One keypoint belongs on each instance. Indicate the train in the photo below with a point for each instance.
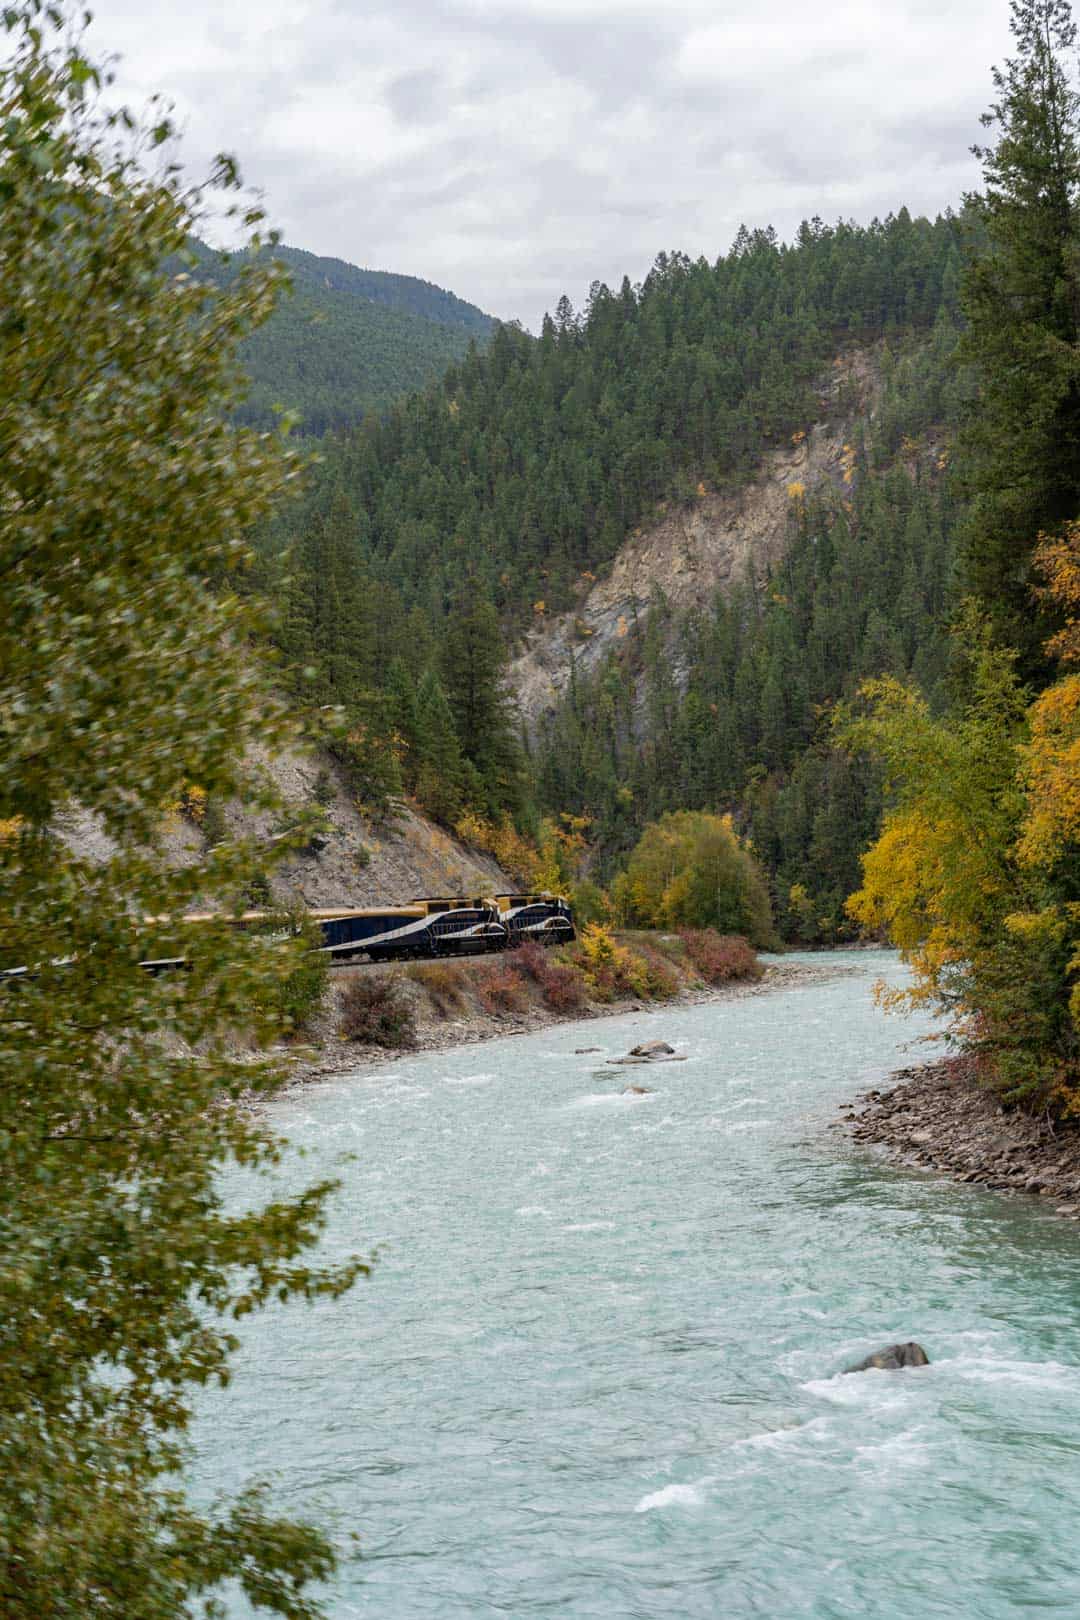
(445, 925)
(426, 927)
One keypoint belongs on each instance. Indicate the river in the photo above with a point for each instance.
(595, 1371)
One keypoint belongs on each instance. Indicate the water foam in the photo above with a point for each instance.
(674, 1496)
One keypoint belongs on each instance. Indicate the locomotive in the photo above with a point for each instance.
(545, 918)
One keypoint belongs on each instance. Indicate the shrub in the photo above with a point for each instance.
(214, 827)
(442, 982)
(721, 958)
(302, 991)
(609, 969)
(325, 789)
(564, 988)
(500, 987)
(374, 1011)
(561, 985)
(661, 979)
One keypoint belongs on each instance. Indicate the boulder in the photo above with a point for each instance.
(892, 1358)
(583, 1051)
(637, 1091)
(660, 1057)
(652, 1049)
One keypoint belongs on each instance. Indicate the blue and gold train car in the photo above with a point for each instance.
(429, 926)
(545, 918)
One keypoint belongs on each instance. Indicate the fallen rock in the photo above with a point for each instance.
(893, 1358)
(651, 1052)
(652, 1049)
(661, 1057)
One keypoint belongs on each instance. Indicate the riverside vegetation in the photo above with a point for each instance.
(601, 971)
(125, 676)
(906, 677)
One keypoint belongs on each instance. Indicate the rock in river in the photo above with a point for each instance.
(651, 1052)
(637, 1091)
(892, 1358)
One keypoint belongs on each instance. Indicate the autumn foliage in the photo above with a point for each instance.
(720, 958)
(976, 874)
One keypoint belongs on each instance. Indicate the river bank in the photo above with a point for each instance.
(937, 1118)
(440, 1026)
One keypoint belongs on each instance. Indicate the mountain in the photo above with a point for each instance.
(700, 512)
(348, 341)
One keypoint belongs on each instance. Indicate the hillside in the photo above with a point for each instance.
(699, 513)
(722, 539)
(356, 860)
(347, 341)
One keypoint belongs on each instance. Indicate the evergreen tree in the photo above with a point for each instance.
(440, 775)
(1022, 302)
(473, 670)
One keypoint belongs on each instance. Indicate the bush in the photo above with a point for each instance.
(374, 1011)
(561, 986)
(303, 990)
(500, 987)
(661, 979)
(325, 789)
(564, 990)
(721, 958)
(442, 982)
(609, 969)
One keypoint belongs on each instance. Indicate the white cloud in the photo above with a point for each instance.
(513, 149)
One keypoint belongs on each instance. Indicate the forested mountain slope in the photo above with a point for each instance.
(728, 702)
(717, 541)
(774, 425)
(529, 465)
(347, 341)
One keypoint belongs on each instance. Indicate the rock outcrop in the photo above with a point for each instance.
(727, 536)
(892, 1359)
(354, 861)
(650, 1052)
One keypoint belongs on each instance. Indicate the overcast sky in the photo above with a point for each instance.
(515, 149)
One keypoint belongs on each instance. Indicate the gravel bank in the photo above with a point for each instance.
(937, 1118)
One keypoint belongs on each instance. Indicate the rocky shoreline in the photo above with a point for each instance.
(332, 1057)
(937, 1118)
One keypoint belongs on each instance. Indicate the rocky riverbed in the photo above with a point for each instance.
(937, 1118)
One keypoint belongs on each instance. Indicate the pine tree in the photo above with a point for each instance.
(1021, 297)
(474, 661)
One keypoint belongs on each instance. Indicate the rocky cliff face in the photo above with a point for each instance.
(691, 552)
(355, 861)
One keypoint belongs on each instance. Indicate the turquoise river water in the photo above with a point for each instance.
(595, 1370)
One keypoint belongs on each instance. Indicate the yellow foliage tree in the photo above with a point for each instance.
(974, 875)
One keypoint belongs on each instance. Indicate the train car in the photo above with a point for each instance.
(428, 926)
(546, 918)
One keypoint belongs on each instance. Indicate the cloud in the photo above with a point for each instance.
(514, 149)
